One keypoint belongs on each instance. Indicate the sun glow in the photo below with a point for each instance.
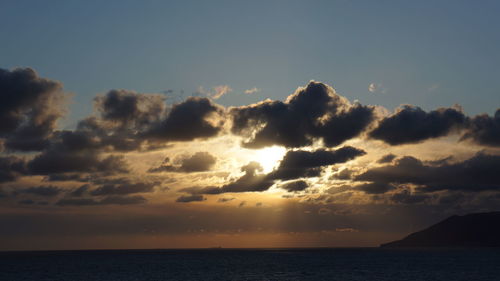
(269, 157)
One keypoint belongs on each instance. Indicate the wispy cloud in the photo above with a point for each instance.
(377, 88)
(252, 91)
(215, 93)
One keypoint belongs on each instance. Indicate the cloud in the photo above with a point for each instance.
(295, 186)
(11, 168)
(224, 200)
(123, 188)
(29, 109)
(252, 91)
(407, 197)
(484, 129)
(134, 121)
(478, 173)
(26, 202)
(59, 161)
(195, 118)
(376, 88)
(110, 200)
(191, 198)
(130, 109)
(312, 112)
(68, 177)
(221, 90)
(411, 124)
(375, 187)
(251, 181)
(346, 229)
(216, 92)
(344, 174)
(324, 211)
(80, 191)
(386, 158)
(301, 163)
(295, 164)
(372, 87)
(46, 191)
(198, 162)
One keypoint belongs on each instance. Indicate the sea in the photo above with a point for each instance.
(343, 264)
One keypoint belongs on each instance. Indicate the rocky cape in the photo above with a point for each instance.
(472, 230)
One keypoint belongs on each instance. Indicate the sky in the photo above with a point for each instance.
(165, 124)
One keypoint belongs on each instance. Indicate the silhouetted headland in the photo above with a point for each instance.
(473, 230)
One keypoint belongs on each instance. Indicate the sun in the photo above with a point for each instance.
(269, 157)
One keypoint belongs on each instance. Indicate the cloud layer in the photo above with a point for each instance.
(90, 165)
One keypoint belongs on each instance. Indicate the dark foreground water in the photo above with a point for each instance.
(286, 264)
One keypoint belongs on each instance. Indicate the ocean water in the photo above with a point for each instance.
(260, 265)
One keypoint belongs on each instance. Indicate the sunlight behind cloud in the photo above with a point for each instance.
(269, 157)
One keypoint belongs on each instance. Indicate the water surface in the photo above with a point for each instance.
(259, 265)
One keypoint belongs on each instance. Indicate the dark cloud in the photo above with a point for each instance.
(224, 200)
(319, 158)
(251, 181)
(344, 174)
(295, 186)
(46, 191)
(68, 177)
(77, 202)
(301, 163)
(295, 164)
(26, 202)
(134, 121)
(312, 112)
(11, 167)
(190, 198)
(439, 162)
(195, 118)
(124, 116)
(484, 129)
(110, 200)
(479, 173)
(411, 124)
(80, 191)
(98, 134)
(407, 197)
(386, 158)
(375, 187)
(123, 188)
(123, 200)
(198, 162)
(63, 161)
(131, 109)
(29, 109)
